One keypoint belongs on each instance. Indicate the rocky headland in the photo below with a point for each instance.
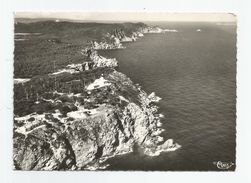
(79, 116)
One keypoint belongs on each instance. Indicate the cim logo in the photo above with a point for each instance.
(223, 165)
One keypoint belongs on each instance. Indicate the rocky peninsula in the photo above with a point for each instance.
(77, 117)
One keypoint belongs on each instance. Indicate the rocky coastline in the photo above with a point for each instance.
(106, 117)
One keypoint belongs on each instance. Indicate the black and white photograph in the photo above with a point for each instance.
(124, 91)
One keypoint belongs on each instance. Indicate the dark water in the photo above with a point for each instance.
(195, 75)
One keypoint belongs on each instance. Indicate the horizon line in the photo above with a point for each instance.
(129, 16)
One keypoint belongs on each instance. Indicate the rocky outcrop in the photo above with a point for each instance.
(107, 46)
(115, 40)
(94, 61)
(118, 36)
(156, 30)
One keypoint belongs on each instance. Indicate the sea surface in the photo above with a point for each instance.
(194, 72)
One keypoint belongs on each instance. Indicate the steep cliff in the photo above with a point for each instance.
(83, 138)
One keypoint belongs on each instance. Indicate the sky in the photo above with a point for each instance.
(131, 16)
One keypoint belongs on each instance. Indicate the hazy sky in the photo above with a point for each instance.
(131, 16)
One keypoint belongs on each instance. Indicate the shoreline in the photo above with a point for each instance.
(136, 121)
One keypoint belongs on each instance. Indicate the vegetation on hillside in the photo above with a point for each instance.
(57, 44)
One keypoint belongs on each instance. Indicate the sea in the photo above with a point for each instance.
(194, 72)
